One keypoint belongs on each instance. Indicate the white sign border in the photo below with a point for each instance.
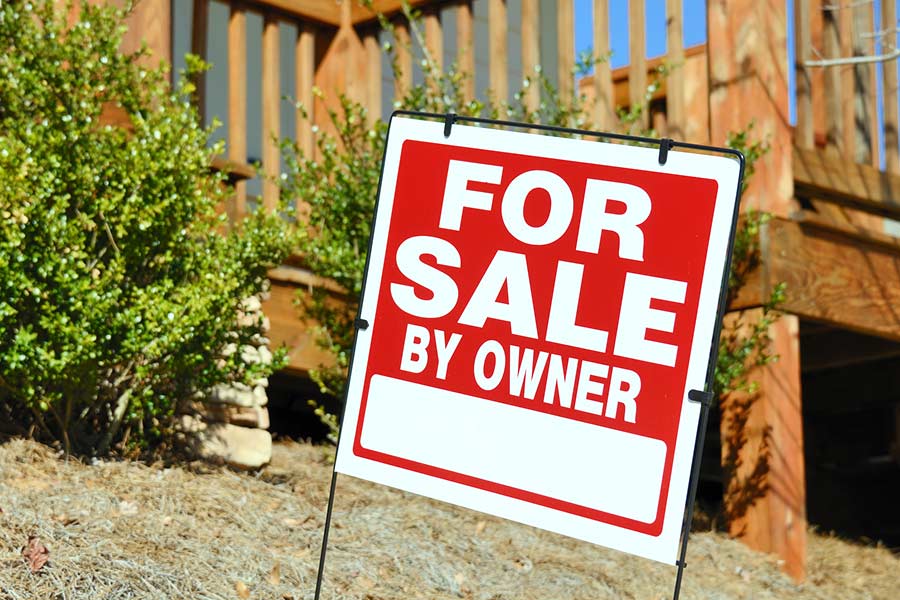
(724, 170)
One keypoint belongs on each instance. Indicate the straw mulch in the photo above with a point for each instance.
(128, 530)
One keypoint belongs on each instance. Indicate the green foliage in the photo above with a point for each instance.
(119, 285)
(340, 186)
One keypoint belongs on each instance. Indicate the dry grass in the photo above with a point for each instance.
(126, 530)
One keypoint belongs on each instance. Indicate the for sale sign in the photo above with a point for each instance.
(539, 309)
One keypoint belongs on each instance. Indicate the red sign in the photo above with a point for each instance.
(536, 316)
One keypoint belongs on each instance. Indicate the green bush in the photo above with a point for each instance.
(120, 282)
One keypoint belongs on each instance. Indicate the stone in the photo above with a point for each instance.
(238, 394)
(244, 416)
(239, 447)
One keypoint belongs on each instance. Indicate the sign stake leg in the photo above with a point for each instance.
(324, 550)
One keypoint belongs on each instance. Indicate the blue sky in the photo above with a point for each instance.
(694, 27)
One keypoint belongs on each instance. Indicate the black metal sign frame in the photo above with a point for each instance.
(703, 397)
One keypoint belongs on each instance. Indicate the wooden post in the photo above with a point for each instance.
(465, 48)
(237, 101)
(891, 151)
(675, 101)
(805, 136)
(605, 100)
(271, 112)
(498, 25)
(865, 134)
(748, 82)
(637, 66)
(565, 53)
(150, 22)
(531, 52)
(305, 65)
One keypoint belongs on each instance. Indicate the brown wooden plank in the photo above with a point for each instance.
(465, 47)
(238, 170)
(434, 38)
(675, 100)
(637, 65)
(327, 12)
(531, 52)
(857, 186)
(834, 277)
(237, 101)
(498, 26)
(199, 37)
(891, 102)
(373, 76)
(604, 98)
(762, 453)
(565, 48)
(804, 133)
(305, 65)
(403, 79)
(845, 24)
(271, 112)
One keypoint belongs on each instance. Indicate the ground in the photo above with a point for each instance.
(117, 529)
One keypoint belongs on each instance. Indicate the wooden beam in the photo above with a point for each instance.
(150, 22)
(836, 278)
(287, 329)
(465, 47)
(305, 65)
(237, 101)
(565, 48)
(531, 52)
(498, 26)
(891, 102)
(857, 186)
(199, 37)
(604, 99)
(762, 453)
(637, 66)
(327, 12)
(804, 134)
(675, 100)
(271, 112)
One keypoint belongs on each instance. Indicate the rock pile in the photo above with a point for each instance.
(229, 423)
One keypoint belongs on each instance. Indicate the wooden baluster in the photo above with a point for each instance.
(605, 106)
(565, 53)
(531, 52)
(891, 152)
(305, 65)
(373, 75)
(675, 100)
(199, 36)
(637, 68)
(498, 26)
(403, 48)
(271, 99)
(804, 135)
(237, 101)
(834, 122)
(465, 48)
(434, 37)
(865, 135)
